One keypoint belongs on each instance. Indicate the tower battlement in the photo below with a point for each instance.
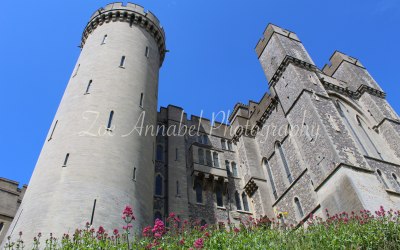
(336, 59)
(134, 15)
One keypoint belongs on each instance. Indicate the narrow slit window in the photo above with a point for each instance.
(122, 63)
(238, 201)
(223, 144)
(209, 158)
(110, 120)
(199, 192)
(134, 174)
(176, 154)
(147, 53)
(77, 69)
(299, 208)
(230, 146)
(66, 160)
(228, 169)
(104, 39)
(52, 131)
(1, 226)
(271, 180)
(396, 180)
(382, 179)
(159, 181)
(245, 202)
(284, 161)
(141, 100)
(219, 196)
(177, 187)
(88, 87)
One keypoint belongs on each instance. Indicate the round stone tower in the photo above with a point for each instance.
(97, 157)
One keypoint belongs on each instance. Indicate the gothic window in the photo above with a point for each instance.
(199, 192)
(343, 113)
(271, 179)
(104, 40)
(201, 156)
(110, 118)
(216, 159)
(230, 145)
(66, 160)
(160, 153)
(223, 144)
(147, 53)
(299, 208)
(234, 170)
(396, 180)
(219, 196)
(281, 153)
(141, 100)
(157, 215)
(238, 201)
(381, 178)
(245, 202)
(52, 131)
(227, 167)
(159, 184)
(122, 62)
(363, 127)
(209, 158)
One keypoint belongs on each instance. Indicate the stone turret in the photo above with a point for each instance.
(93, 161)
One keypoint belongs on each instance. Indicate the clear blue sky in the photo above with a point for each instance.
(211, 66)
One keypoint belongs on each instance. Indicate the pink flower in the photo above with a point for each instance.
(182, 242)
(157, 235)
(159, 227)
(237, 230)
(101, 230)
(199, 243)
(115, 232)
(207, 234)
(146, 231)
(127, 214)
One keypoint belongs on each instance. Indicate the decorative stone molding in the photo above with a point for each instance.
(132, 14)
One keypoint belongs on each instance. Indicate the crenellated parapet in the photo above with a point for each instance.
(132, 14)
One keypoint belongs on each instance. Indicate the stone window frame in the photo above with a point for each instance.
(198, 187)
(219, 196)
(396, 180)
(299, 207)
(235, 170)
(283, 160)
(382, 178)
(223, 144)
(245, 202)
(270, 177)
(238, 201)
(215, 159)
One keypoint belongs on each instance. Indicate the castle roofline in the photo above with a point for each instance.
(336, 60)
(133, 14)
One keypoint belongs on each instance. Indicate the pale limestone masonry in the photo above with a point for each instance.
(320, 139)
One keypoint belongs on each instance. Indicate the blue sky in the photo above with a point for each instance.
(211, 66)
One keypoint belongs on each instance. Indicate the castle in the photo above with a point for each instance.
(320, 139)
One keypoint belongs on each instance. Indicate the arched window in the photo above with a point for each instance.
(271, 179)
(157, 215)
(234, 170)
(199, 192)
(160, 153)
(381, 178)
(209, 158)
(159, 185)
(88, 87)
(223, 144)
(110, 118)
(281, 153)
(299, 208)
(238, 201)
(227, 168)
(245, 202)
(201, 156)
(216, 159)
(219, 196)
(343, 113)
(364, 128)
(395, 179)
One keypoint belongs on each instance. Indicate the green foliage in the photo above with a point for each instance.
(342, 231)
